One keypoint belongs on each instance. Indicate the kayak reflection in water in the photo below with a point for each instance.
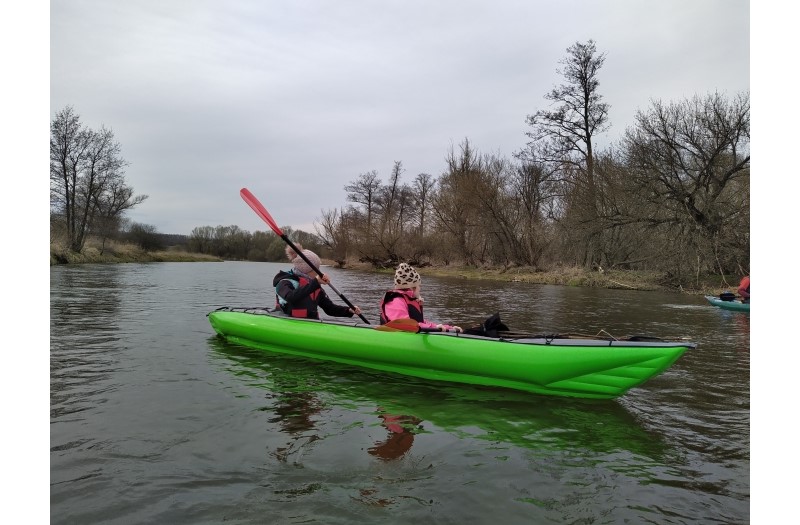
(399, 439)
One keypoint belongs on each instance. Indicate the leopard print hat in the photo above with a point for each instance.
(406, 276)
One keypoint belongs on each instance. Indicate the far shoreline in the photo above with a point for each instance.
(562, 276)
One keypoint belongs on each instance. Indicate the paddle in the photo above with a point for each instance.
(405, 325)
(262, 212)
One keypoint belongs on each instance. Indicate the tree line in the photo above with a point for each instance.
(671, 196)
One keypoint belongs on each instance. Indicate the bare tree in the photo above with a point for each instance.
(68, 144)
(691, 162)
(388, 197)
(364, 191)
(422, 188)
(201, 239)
(87, 184)
(453, 204)
(117, 197)
(534, 193)
(145, 236)
(332, 231)
(564, 136)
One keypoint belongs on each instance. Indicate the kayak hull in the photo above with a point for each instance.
(736, 306)
(600, 369)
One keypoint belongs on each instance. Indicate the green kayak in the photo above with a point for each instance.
(560, 365)
(737, 306)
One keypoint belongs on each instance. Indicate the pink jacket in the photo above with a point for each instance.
(397, 309)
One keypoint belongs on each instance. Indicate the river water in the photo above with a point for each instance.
(154, 419)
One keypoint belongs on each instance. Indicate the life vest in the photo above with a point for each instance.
(280, 302)
(413, 305)
(308, 305)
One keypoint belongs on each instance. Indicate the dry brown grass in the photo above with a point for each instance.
(566, 276)
(571, 276)
(116, 252)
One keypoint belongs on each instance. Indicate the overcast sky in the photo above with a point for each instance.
(293, 100)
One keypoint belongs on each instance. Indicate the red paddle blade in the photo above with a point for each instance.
(259, 208)
(404, 325)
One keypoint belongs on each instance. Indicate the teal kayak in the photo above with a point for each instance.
(559, 365)
(737, 306)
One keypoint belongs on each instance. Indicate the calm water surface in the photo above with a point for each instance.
(156, 420)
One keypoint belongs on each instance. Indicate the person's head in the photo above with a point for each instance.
(301, 266)
(406, 278)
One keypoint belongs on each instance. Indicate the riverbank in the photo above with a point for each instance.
(123, 253)
(575, 276)
(564, 276)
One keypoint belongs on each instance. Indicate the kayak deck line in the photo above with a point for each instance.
(565, 339)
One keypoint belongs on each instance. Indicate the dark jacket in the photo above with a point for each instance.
(302, 295)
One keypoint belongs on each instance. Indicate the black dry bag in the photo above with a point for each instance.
(490, 327)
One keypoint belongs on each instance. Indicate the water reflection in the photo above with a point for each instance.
(295, 412)
(84, 296)
(401, 430)
(490, 415)
(742, 324)
(84, 335)
(156, 420)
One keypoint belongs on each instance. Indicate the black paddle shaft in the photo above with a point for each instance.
(313, 267)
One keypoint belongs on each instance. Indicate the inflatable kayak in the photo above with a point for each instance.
(735, 305)
(561, 365)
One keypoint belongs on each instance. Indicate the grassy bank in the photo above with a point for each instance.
(114, 252)
(575, 276)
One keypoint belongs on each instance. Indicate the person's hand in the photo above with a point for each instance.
(323, 279)
(355, 310)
